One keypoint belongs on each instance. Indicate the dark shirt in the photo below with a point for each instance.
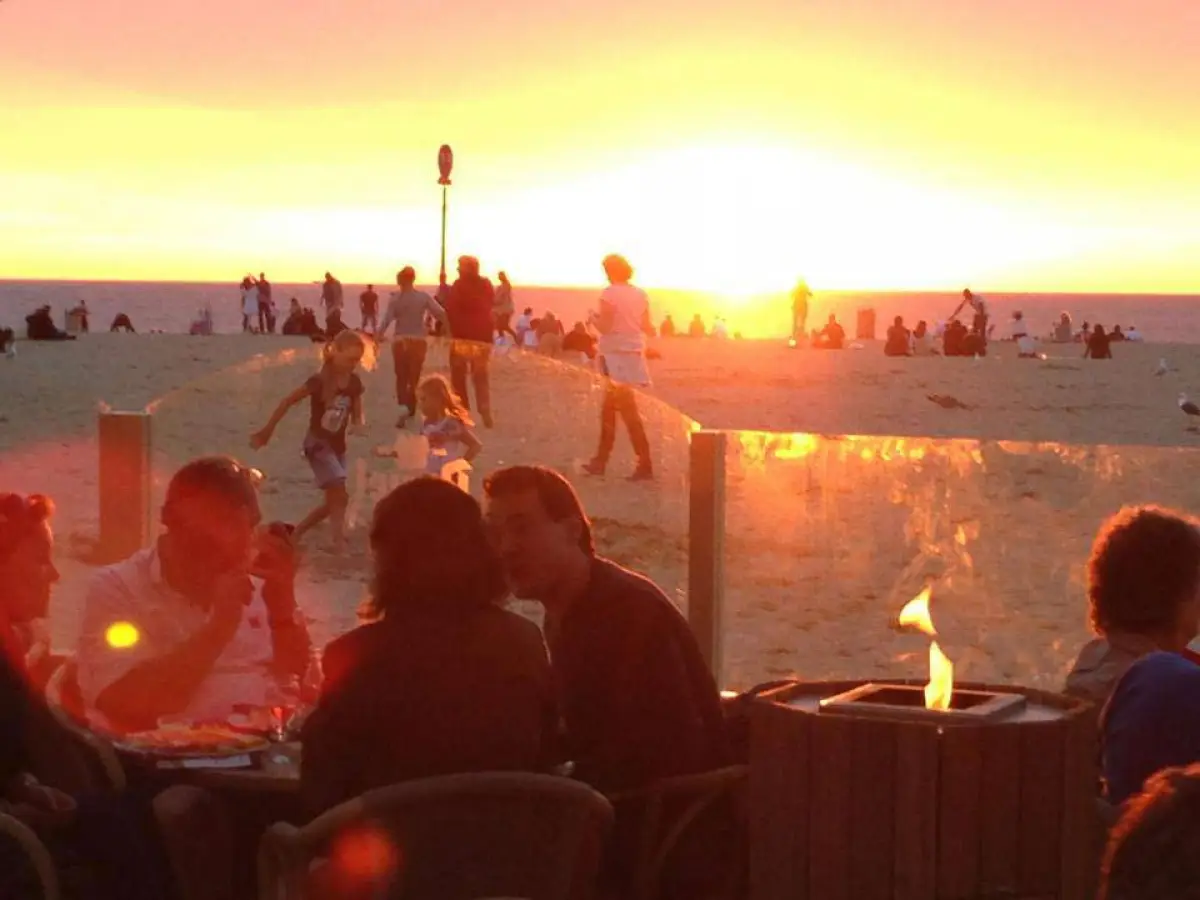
(469, 309)
(415, 696)
(897, 341)
(833, 336)
(580, 342)
(1152, 722)
(328, 421)
(637, 699)
(15, 699)
(264, 292)
(1097, 346)
(369, 301)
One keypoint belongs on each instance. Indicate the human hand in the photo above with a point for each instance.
(260, 439)
(275, 556)
(229, 596)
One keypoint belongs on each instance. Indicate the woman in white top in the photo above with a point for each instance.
(623, 321)
(249, 302)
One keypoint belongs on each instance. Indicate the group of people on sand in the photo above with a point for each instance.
(439, 678)
(334, 394)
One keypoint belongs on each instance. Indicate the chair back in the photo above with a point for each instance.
(89, 762)
(457, 837)
(29, 846)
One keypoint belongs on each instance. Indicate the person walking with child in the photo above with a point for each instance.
(447, 425)
(335, 404)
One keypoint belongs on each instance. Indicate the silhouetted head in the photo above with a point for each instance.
(1099, 329)
(539, 527)
(967, 295)
(468, 267)
(406, 276)
(432, 553)
(503, 277)
(898, 321)
(617, 269)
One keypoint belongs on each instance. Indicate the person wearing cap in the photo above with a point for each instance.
(200, 623)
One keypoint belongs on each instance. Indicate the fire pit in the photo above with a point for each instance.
(892, 789)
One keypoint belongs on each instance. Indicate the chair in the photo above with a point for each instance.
(668, 809)
(457, 837)
(35, 851)
(95, 763)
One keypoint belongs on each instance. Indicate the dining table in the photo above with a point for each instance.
(276, 770)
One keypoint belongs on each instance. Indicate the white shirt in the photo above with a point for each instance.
(1019, 328)
(1133, 335)
(250, 301)
(134, 591)
(630, 307)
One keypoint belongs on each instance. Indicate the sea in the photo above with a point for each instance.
(169, 306)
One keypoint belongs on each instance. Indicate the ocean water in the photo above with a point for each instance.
(171, 306)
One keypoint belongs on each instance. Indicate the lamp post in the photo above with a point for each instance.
(445, 164)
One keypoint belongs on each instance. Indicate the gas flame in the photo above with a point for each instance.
(941, 671)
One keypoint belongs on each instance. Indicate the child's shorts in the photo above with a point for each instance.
(328, 466)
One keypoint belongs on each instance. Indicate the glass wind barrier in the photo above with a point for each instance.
(829, 537)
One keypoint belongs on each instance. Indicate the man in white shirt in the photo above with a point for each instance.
(979, 305)
(623, 321)
(203, 621)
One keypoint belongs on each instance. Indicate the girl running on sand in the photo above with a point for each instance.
(335, 402)
(447, 425)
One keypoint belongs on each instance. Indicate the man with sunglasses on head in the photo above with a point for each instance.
(202, 622)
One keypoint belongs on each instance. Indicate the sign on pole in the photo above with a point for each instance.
(445, 163)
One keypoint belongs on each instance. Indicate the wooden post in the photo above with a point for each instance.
(124, 483)
(706, 544)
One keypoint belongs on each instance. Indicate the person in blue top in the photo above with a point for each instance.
(1152, 722)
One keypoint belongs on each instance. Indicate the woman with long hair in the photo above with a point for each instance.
(440, 678)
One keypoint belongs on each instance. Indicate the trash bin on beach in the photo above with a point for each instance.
(74, 321)
(865, 330)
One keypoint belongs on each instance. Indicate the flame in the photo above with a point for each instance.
(940, 688)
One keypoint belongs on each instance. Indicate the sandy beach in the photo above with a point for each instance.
(994, 504)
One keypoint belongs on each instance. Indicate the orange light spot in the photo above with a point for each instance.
(366, 854)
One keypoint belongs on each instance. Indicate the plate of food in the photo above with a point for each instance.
(181, 741)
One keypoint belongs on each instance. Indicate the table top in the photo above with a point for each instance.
(278, 772)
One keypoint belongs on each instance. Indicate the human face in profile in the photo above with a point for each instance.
(534, 548)
(29, 575)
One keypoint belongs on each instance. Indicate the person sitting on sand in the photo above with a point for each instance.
(831, 337)
(39, 326)
(1062, 331)
(955, 339)
(198, 623)
(581, 341)
(696, 327)
(899, 341)
(1143, 584)
(1098, 344)
(1020, 334)
(203, 323)
(638, 702)
(524, 325)
(1154, 850)
(1116, 334)
(550, 335)
(1133, 334)
(923, 341)
(1084, 333)
(667, 329)
(122, 322)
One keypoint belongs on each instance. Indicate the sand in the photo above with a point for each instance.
(994, 505)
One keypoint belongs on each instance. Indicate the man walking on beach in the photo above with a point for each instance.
(469, 309)
(407, 308)
(331, 297)
(266, 312)
(800, 298)
(368, 304)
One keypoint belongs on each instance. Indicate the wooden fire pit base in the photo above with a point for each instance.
(850, 807)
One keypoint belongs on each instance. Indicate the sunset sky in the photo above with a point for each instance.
(1007, 144)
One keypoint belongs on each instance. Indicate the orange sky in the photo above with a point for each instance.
(1009, 144)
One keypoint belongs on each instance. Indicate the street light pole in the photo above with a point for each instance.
(445, 165)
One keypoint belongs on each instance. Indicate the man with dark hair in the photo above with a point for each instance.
(1143, 592)
(204, 620)
(368, 304)
(469, 308)
(637, 700)
(1154, 850)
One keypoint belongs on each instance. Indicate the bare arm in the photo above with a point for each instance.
(263, 437)
(438, 312)
(473, 444)
(164, 684)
